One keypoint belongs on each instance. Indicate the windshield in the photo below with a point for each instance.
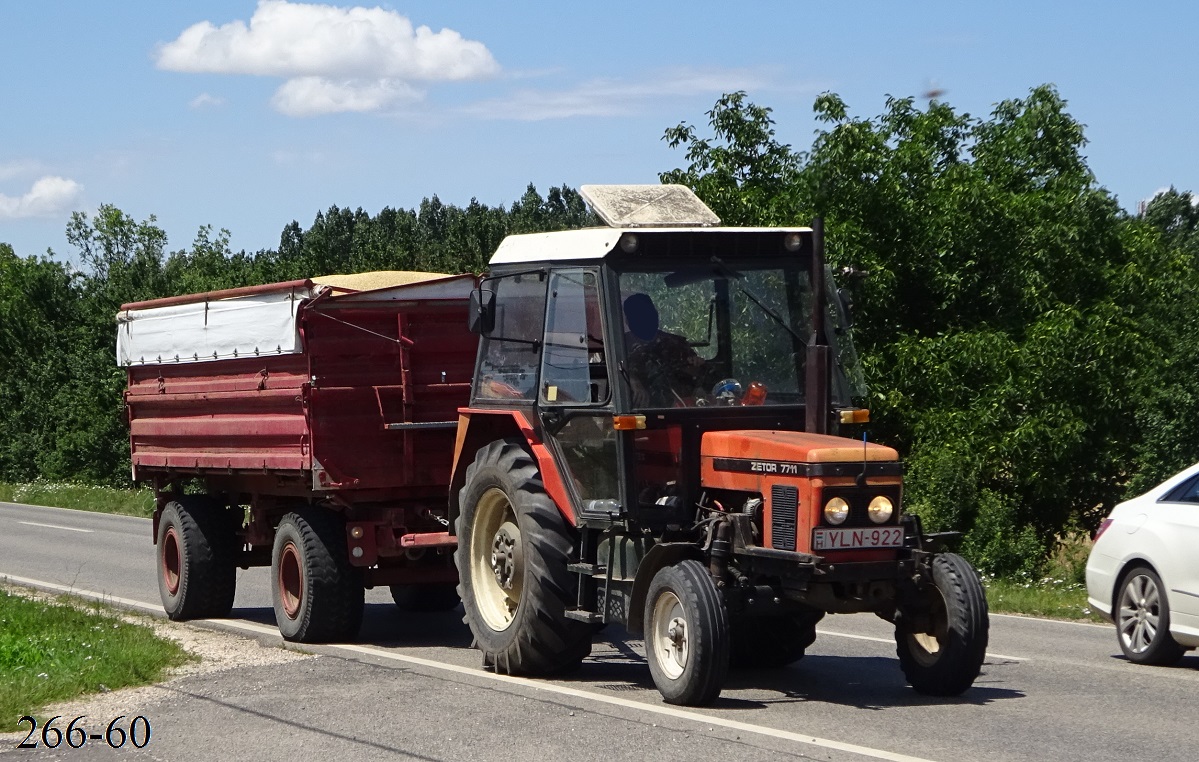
(716, 334)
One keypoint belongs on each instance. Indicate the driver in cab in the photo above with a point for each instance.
(663, 369)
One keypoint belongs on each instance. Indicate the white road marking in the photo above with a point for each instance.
(128, 603)
(1055, 621)
(546, 687)
(55, 526)
(891, 641)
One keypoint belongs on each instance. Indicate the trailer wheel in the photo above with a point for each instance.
(686, 634)
(197, 557)
(773, 641)
(942, 653)
(512, 556)
(318, 595)
(425, 598)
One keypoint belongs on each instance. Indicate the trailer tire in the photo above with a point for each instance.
(771, 641)
(318, 596)
(686, 634)
(197, 558)
(943, 657)
(425, 598)
(513, 550)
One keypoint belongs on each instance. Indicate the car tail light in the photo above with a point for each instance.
(1102, 527)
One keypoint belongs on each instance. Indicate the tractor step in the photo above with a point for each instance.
(584, 616)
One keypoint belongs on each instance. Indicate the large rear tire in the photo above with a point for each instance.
(197, 558)
(774, 641)
(513, 550)
(318, 596)
(686, 634)
(942, 652)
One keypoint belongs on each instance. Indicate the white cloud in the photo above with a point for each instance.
(310, 96)
(49, 196)
(614, 97)
(335, 59)
(205, 100)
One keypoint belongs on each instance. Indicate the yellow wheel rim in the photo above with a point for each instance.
(497, 568)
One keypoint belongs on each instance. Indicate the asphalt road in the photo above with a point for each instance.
(413, 688)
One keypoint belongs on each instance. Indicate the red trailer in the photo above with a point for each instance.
(329, 408)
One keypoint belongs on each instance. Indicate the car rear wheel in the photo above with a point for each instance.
(1143, 619)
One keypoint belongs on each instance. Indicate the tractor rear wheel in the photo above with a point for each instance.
(514, 547)
(941, 650)
(197, 558)
(686, 634)
(318, 596)
(773, 641)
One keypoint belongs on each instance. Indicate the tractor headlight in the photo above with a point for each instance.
(880, 509)
(836, 511)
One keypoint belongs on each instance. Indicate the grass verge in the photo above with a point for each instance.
(53, 650)
(128, 502)
(1052, 598)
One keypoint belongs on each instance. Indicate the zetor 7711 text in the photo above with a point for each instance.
(637, 424)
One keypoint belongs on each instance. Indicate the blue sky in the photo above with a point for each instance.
(247, 115)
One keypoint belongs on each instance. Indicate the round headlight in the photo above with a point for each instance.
(880, 509)
(836, 511)
(793, 242)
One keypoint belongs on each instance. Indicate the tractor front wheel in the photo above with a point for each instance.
(686, 634)
(941, 647)
(514, 547)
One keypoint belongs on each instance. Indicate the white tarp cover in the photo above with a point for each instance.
(246, 326)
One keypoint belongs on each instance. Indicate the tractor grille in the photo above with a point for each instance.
(784, 510)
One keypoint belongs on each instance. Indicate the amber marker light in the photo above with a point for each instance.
(628, 422)
(855, 415)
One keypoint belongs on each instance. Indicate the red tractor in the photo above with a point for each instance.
(652, 440)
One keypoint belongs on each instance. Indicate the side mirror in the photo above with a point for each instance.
(482, 311)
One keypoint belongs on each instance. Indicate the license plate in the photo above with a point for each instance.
(824, 538)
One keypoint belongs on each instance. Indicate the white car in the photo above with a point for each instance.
(1143, 571)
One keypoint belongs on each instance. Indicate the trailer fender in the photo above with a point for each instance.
(659, 556)
(477, 427)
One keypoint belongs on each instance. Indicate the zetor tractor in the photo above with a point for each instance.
(653, 440)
